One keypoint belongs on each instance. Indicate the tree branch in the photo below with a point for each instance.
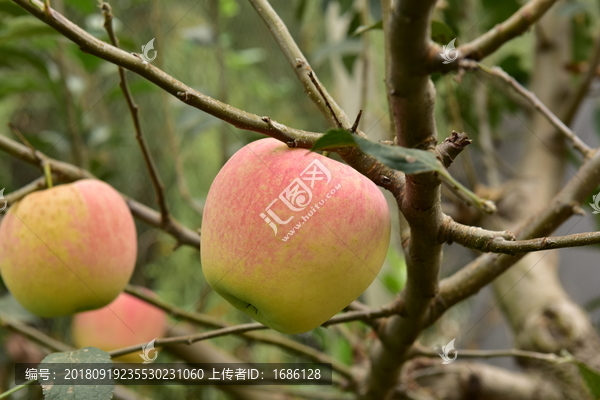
(579, 145)
(367, 165)
(236, 117)
(420, 351)
(451, 147)
(469, 380)
(213, 322)
(412, 97)
(301, 67)
(134, 109)
(38, 184)
(69, 173)
(483, 270)
(491, 41)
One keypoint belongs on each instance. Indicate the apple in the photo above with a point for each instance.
(125, 322)
(67, 249)
(291, 237)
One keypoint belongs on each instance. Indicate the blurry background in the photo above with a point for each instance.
(69, 106)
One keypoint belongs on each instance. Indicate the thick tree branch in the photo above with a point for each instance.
(134, 110)
(412, 97)
(69, 173)
(489, 42)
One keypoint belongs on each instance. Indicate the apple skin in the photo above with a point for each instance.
(125, 322)
(67, 249)
(292, 285)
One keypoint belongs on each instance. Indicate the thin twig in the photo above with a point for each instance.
(134, 109)
(485, 135)
(584, 149)
(213, 322)
(419, 351)
(584, 86)
(489, 42)
(311, 75)
(41, 160)
(34, 186)
(356, 122)
(33, 334)
(367, 165)
(487, 267)
(68, 173)
(299, 63)
(17, 388)
(24, 140)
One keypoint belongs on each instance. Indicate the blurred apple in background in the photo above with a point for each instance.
(67, 249)
(291, 237)
(125, 322)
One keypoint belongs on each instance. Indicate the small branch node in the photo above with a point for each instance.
(184, 96)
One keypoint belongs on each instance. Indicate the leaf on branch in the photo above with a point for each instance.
(409, 161)
(75, 392)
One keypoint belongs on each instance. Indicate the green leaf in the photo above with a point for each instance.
(78, 392)
(409, 161)
(591, 377)
(362, 29)
(441, 33)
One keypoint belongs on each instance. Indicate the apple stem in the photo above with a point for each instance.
(48, 174)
